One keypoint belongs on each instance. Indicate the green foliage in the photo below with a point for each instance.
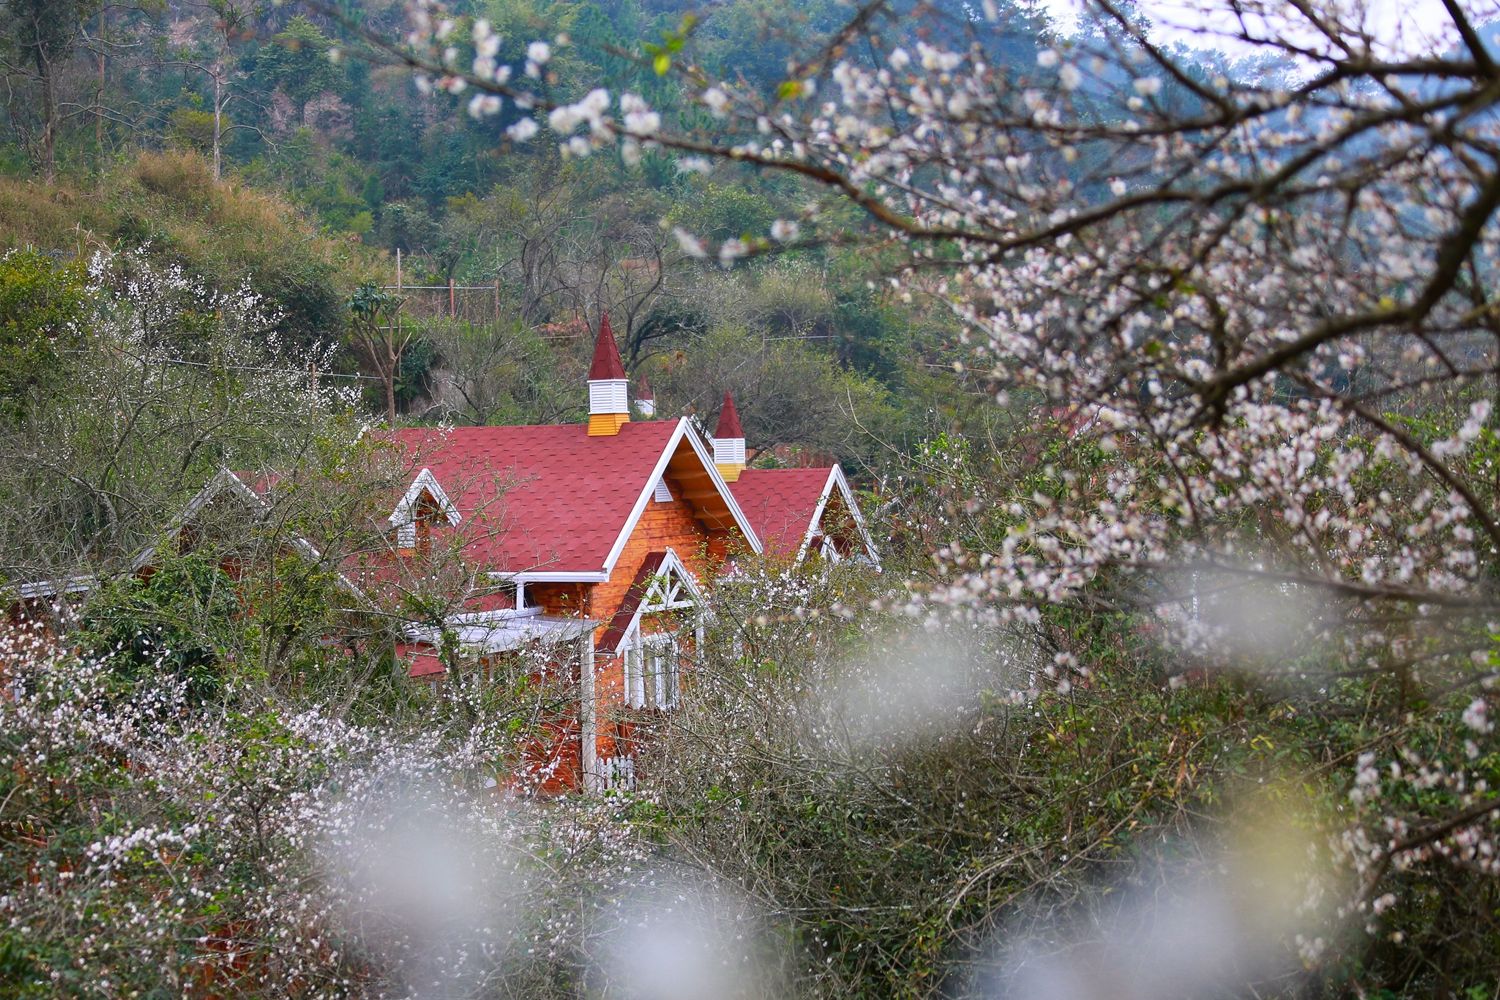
(232, 236)
(723, 211)
(297, 62)
(192, 128)
(241, 237)
(43, 308)
(175, 619)
(47, 30)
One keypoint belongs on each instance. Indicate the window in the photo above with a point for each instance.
(651, 672)
(661, 673)
(652, 660)
(829, 549)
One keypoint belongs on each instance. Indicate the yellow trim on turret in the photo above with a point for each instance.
(607, 424)
(730, 472)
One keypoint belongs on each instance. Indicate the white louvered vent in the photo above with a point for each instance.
(663, 492)
(608, 396)
(729, 451)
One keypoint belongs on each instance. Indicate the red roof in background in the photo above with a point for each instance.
(779, 504)
(260, 483)
(729, 420)
(606, 355)
(643, 388)
(541, 498)
(382, 574)
(424, 660)
(387, 578)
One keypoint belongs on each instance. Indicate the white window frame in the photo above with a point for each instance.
(648, 686)
(670, 590)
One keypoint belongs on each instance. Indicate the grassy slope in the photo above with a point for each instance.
(226, 232)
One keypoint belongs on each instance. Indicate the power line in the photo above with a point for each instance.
(249, 368)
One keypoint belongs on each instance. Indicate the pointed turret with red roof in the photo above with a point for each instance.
(645, 399)
(729, 442)
(609, 403)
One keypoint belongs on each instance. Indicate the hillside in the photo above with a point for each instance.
(229, 233)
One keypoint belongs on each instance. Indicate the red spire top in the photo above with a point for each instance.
(643, 388)
(606, 355)
(729, 420)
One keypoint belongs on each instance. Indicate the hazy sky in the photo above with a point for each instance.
(1405, 25)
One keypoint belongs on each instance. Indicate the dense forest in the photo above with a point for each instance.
(153, 103)
(1164, 376)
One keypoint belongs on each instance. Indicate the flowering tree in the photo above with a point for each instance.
(154, 841)
(1257, 297)
(153, 382)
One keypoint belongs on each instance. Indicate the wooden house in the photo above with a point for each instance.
(597, 543)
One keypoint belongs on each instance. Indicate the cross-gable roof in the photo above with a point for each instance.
(552, 503)
(786, 505)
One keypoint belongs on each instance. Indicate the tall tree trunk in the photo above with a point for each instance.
(99, 107)
(218, 122)
(49, 117)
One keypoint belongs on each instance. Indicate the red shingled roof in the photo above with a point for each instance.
(542, 498)
(779, 503)
(729, 420)
(606, 355)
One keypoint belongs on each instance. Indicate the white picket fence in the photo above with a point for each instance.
(619, 773)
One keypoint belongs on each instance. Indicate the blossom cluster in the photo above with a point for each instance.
(278, 848)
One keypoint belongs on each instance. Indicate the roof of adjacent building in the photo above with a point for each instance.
(487, 635)
(781, 503)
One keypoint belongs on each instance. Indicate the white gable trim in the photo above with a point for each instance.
(427, 483)
(222, 480)
(684, 430)
(670, 566)
(836, 478)
(403, 519)
(632, 642)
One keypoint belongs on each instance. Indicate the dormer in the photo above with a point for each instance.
(422, 506)
(609, 393)
(729, 442)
